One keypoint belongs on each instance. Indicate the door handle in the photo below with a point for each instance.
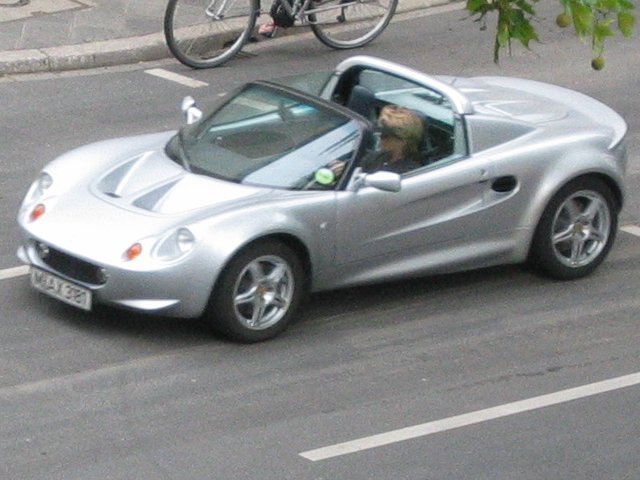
(504, 184)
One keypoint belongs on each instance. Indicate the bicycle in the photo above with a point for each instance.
(207, 33)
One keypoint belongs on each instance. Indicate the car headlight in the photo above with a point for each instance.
(39, 186)
(44, 181)
(185, 240)
(32, 205)
(175, 245)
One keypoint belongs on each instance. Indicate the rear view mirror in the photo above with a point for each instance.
(190, 113)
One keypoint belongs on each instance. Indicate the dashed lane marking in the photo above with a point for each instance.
(14, 272)
(632, 229)
(175, 77)
(471, 418)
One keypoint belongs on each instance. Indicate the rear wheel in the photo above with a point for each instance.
(576, 230)
(347, 24)
(258, 293)
(206, 33)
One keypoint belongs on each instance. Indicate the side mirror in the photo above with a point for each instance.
(190, 113)
(386, 181)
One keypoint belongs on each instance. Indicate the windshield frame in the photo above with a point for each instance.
(176, 149)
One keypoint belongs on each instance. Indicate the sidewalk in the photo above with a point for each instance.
(55, 35)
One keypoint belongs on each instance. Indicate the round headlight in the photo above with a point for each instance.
(174, 244)
(185, 240)
(44, 181)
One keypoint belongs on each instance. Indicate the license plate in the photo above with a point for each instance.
(61, 289)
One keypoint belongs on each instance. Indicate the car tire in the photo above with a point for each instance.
(258, 293)
(576, 230)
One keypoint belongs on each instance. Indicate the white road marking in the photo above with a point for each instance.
(471, 418)
(14, 272)
(175, 77)
(632, 229)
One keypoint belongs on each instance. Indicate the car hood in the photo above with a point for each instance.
(107, 195)
(152, 182)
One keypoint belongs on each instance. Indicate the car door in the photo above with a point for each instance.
(438, 219)
(436, 215)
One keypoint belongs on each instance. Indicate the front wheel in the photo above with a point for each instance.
(576, 231)
(344, 24)
(258, 293)
(207, 33)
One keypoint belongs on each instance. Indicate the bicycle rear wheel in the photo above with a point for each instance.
(206, 33)
(346, 24)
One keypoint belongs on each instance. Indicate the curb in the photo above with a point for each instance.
(123, 51)
(105, 53)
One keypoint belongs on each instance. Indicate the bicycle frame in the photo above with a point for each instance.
(299, 9)
(219, 15)
(341, 6)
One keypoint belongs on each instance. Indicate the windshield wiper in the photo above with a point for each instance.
(183, 152)
(176, 152)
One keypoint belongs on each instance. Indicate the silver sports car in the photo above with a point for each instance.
(271, 194)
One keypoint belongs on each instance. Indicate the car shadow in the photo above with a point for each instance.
(109, 321)
(429, 290)
(439, 292)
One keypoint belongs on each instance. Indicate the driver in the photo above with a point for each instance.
(401, 133)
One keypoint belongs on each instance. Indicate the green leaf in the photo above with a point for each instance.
(503, 34)
(625, 23)
(480, 7)
(582, 18)
(524, 32)
(475, 5)
(626, 4)
(526, 7)
(593, 19)
(602, 30)
(610, 5)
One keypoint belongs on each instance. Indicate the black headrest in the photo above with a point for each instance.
(362, 100)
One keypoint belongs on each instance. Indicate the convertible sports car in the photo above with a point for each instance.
(239, 214)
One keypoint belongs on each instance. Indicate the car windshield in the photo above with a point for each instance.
(267, 137)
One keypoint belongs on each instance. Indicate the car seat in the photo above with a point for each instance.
(362, 101)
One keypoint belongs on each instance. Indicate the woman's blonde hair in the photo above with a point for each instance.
(402, 123)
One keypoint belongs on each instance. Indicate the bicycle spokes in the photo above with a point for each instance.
(350, 24)
(205, 33)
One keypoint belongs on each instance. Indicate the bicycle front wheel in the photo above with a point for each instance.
(346, 24)
(206, 33)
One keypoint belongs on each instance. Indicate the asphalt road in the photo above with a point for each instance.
(114, 395)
